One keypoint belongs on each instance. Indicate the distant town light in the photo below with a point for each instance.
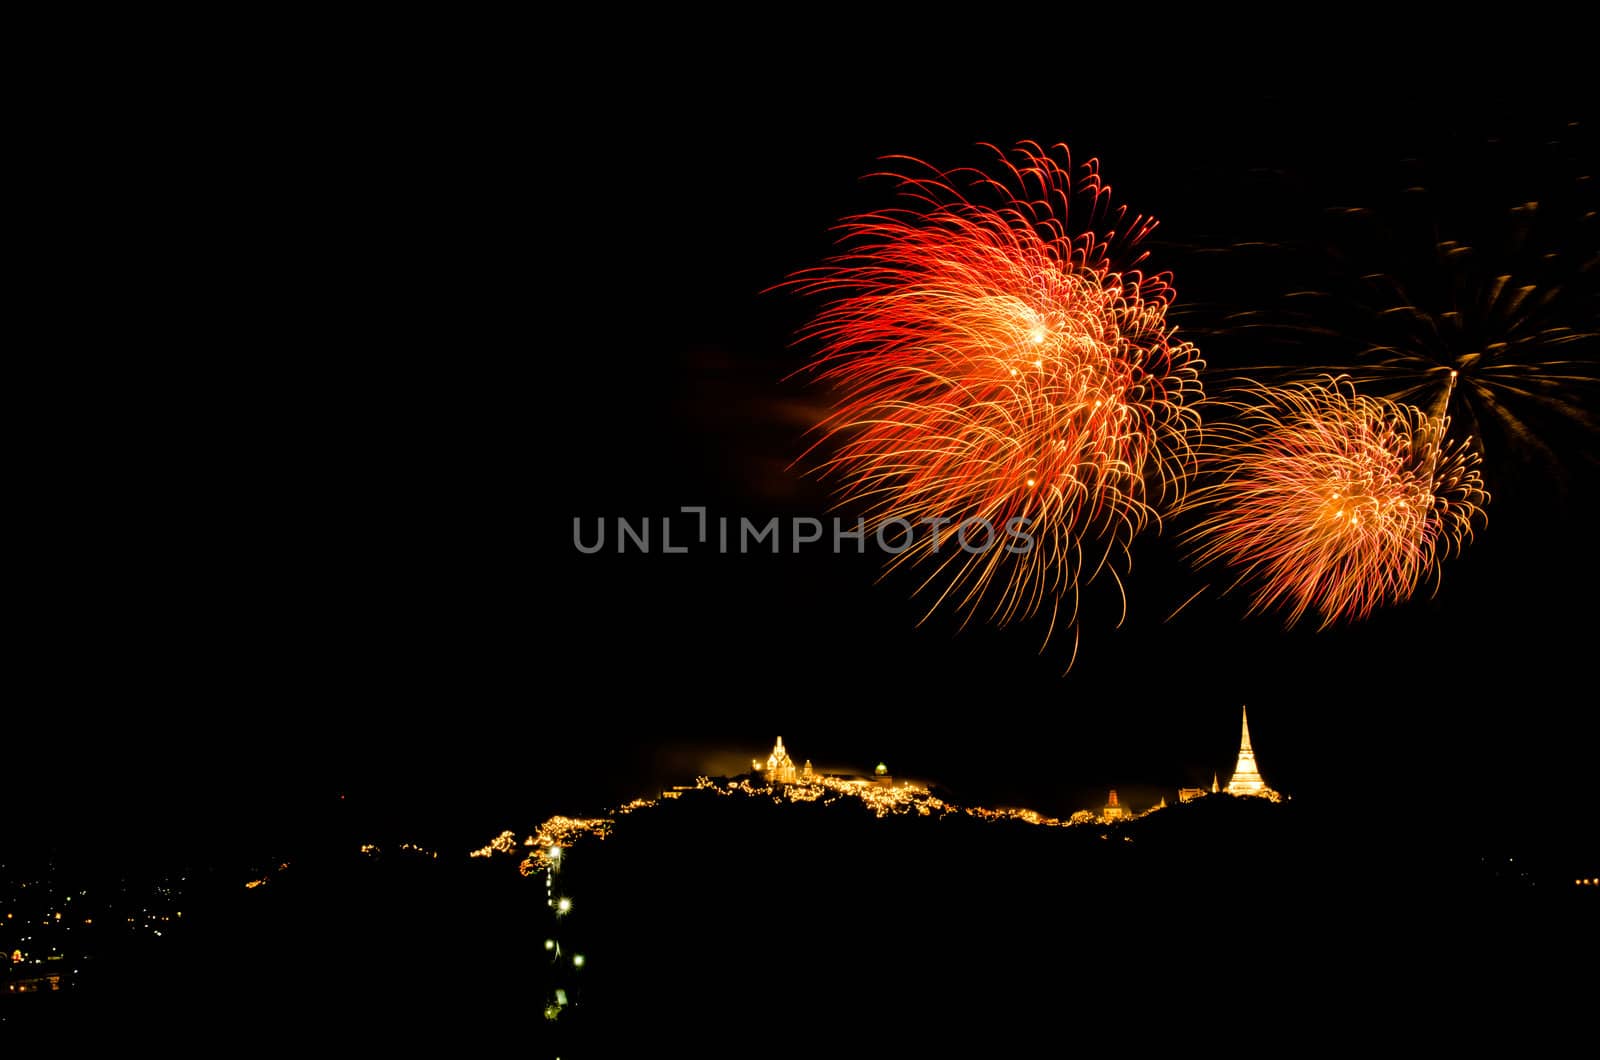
(577, 960)
(549, 944)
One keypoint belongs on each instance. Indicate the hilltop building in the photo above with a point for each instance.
(1246, 778)
(779, 768)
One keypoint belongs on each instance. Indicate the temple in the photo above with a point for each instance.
(1246, 778)
(779, 767)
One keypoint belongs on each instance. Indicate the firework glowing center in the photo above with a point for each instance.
(1372, 485)
(1330, 501)
(998, 361)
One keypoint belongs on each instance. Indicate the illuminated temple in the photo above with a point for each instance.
(1246, 778)
(779, 767)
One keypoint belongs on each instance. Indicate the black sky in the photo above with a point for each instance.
(312, 531)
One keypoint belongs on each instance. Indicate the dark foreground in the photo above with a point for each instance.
(732, 924)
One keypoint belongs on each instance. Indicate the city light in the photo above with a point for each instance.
(559, 832)
(504, 843)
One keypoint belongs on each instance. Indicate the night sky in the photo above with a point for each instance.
(312, 534)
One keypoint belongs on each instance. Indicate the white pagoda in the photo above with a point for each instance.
(1246, 777)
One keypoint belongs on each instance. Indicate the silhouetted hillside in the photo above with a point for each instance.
(711, 914)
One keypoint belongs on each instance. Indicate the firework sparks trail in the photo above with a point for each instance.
(1323, 500)
(1503, 316)
(999, 359)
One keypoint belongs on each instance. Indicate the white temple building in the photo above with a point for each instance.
(779, 767)
(1246, 778)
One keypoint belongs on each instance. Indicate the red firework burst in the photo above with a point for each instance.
(1325, 500)
(997, 356)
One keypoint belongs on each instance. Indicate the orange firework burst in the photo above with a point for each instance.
(998, 359)
(1329, 501)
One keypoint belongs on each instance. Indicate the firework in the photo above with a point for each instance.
(999, 359)
(1414, 297)
(1323, 500)
(1509, 322)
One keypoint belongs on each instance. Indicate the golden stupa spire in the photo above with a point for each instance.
(1246, 777)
